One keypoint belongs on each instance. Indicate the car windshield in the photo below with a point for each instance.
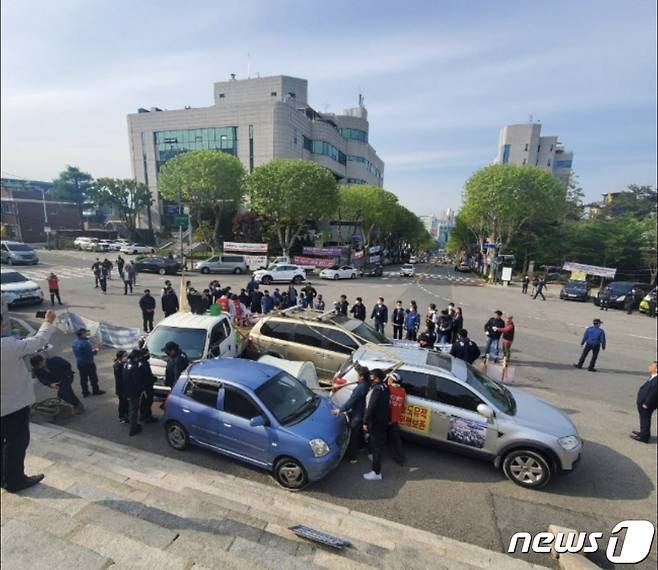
(407, 266)
(13, 277)
(19, 247)
(333, 267)
(191, 341)
(577, 284)
(620, 287)
(495, 392)
(369, 334)
(287, 399)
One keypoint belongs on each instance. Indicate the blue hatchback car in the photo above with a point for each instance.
(259, 414)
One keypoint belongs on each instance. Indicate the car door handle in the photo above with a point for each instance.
(227, 425)
(185, 410)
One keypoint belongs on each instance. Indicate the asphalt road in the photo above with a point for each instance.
(437, 490)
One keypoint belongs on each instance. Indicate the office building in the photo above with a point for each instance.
(256, 120)
(523, 144)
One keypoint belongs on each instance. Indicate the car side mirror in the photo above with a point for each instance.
(257, 421)
(485, 411)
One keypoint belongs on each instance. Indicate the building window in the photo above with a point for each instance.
(370, 167)
(526, 147)
(170, 143)
(352, 181)
(327, 149)
(506, 150)
(308, 144)
(221, 95)
(354, 134)
(273, 94)
(562, 164)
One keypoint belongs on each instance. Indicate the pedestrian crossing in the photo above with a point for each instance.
(434, 276)
(61, 272)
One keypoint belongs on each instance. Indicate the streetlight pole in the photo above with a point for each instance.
(45, 217)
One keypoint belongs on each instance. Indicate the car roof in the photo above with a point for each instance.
(184, 320)
(237, 370)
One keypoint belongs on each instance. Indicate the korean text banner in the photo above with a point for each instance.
(608, 272)
(234, 246)
(313, 261)
(323, 251)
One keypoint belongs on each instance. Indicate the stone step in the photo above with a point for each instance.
(27, 546)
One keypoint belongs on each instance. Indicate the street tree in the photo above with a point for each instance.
(369, 208)
(638, 201)
(291, 193)
(207, 181)
(125, 196)
(73, 185)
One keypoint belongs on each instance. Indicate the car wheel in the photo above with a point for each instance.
(162, 271)
(353, 276)
(205, 270)
(266, 280)
(290, 474)
(297, 279)
(177, 436)
(336, 277)
(237, 271)
(527, 468)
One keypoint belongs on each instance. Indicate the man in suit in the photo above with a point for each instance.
(647, 397)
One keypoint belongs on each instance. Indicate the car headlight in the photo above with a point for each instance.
(319, 447)
(569, 443)
(621, 298)
(9, 296)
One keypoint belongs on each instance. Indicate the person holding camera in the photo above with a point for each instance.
(16, 398)
(56, 373)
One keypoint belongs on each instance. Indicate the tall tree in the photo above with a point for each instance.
(370, 208)
(206, 180)
(73, 185)
(126, 196)
(291, 193)
(638, 201)
(649, 248)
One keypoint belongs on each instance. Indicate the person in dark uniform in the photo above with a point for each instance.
(177, 362)
(169, 301)
(147, 381)
(56, 373)
(380, 315)
(375, 423)
(652, 304)
(541, 285)
(132, 381)
(457, 323)
(96, 269)
(593, 340)
(526, 282)
(355, 409)
(120, 360)
(465, 348)
(444, 327)
(120, 263)
(398, 320)
(147, 305)
(358, 310)
(629, 302)
(311, 294)
(647, 400)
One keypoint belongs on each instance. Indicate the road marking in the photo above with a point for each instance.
(644, 337)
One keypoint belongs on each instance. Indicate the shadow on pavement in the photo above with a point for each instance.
(569, 366)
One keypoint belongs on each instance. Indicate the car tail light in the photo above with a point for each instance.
(337, 383)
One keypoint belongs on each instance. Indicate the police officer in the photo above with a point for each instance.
(147, 305)
(593, 340)
(355, 408)
(465, 348)
(132, 383)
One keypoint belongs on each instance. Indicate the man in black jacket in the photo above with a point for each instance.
(375, 423)
(169, 301)
(359, 309)
(493, 336)
(465, 348)
(56, 373)
(647, 400)
(342, 305)
(132, 383)
(147, 379)
(147, 305)
(177, 361)
(380, 315)
(398, 320)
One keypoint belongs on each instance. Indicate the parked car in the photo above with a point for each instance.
(644, 304)
(413, 260)
(199, 336)
(259, 414)
(339, 272)
(575, 291)
(157, 264)
(280, 272)
(17, 289)
(451, 402)
(228, 263)
(463, 267)
(80, 241)
(17, 253)
(89, 244)
(617, 291)
(135, 248)
(376, 270)
(103, 245)
(407, 270)
(325, 340)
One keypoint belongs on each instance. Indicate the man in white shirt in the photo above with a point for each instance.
(17, 393)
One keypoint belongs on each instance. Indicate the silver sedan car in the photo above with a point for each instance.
(453, 403)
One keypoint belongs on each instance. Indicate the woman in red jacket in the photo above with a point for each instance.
(53, 287)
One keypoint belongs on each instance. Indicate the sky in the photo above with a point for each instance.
(439, 79)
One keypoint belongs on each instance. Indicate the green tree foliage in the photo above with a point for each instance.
(126, 196)
(292, 193)
(638, 202)
(208, 181)
(649, 248)
(461, 238)
(502, 199)
(574, 205)
(73, 185)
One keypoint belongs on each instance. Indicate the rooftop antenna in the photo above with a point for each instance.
(361, 99)
(530, 118)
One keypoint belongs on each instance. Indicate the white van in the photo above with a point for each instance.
(199, 336)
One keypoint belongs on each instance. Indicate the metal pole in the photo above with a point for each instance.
(180, 225)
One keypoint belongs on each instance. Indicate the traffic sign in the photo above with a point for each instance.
(181, 219)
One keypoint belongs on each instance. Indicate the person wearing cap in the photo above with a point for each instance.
(84, 356)
(593, 340)
(177, 362)
(491, 327)
(647, 401)
(355, 409)
(397, 397)
(464, 348)
(16, 398)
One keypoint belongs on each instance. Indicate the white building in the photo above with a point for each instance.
(523, 144)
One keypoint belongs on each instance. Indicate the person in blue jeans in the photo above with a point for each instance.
(491, 329)
(355, 407)
(84, 356)
(593, 340)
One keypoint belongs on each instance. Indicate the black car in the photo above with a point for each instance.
(372, 271)
(575, 291)
(161, 265)
(617, 291)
